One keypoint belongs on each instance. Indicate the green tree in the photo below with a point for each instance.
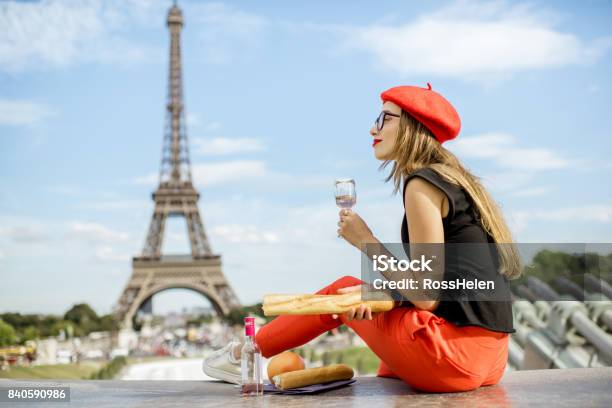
(48, 326)
(197, 321)
(236, 316)
(548, 264)
(81, 314)
(29, 333)
(7, 334)
(63, 325)
(84, 318)
(108, 323)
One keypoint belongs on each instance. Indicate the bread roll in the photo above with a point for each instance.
(310, 376)
(274, 305)
(284, 362)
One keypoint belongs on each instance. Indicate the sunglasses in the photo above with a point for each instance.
(380, 120)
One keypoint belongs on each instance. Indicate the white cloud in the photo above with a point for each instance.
(22, 112)
(213, 126)
(240, 233)
(115, 205)
(193, 120)
(216, 173)
(507, 181)
(108, 254)
(207, 174)
(515, 166)
(255, 171)
(594, 88)
(148, 180)
(532, 192)
(504, 150)
(24, 232)
(60, 33)
(219, 146)
(226, 32)
(243, 171)
(228, 19)
(474, 40)
(596, 213)
(94, 232)
(587, 213)
(66, 190)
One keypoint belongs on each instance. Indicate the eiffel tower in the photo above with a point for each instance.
(175, 196)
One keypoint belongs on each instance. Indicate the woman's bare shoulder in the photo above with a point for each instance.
(419, 189)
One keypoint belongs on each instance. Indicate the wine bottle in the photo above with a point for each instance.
(250, 363)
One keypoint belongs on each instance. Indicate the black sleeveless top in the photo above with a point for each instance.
(462, 225)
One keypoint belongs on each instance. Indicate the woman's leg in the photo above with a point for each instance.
(384, 371)
(417, 347)
(384, 336)
(287, 332)
(499, 367)
(412, 343)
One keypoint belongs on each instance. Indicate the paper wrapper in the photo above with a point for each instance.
(310, 376)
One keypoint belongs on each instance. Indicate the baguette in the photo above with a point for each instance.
(310, 376)
(274, 305)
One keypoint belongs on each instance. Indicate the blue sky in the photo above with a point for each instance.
(280, 97)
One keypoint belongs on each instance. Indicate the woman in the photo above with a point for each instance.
(433, 345)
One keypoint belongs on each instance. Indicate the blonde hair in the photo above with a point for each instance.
(416, 149)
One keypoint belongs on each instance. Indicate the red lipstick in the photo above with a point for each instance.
(376, 141)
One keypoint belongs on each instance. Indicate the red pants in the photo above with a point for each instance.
(422, 349)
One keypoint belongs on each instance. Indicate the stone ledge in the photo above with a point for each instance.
(563, 388)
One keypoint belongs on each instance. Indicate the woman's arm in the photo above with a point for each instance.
(424, 207)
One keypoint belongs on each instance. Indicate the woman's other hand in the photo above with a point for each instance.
(354, 229)
(362, 312)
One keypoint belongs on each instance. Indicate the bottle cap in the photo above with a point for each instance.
(249, 326)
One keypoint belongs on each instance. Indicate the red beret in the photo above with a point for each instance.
(428, 107)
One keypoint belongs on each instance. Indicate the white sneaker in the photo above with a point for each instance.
(222, 364)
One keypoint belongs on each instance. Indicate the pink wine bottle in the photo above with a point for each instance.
(252, 378)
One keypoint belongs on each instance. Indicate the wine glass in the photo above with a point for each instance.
(346, 196)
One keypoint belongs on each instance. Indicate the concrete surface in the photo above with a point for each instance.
(580, 387)
(171, 369)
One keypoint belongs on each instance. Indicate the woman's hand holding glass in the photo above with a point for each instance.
(354, 229)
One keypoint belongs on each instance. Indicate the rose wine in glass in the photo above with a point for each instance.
(346, 197)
